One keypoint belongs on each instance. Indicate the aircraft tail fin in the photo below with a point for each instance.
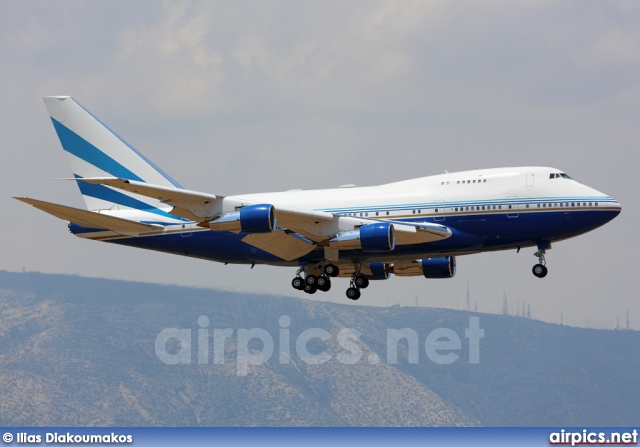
(94, 150)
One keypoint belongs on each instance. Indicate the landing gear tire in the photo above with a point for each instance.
(361, 282)
(539, 270)
(323, 283)
(331, 270)
(311, 280)
(297, 283)
(353, 293)
(310, 289)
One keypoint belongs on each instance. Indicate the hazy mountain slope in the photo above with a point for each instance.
(81, 351)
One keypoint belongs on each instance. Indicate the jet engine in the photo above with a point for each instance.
(258, 218)
(250, 219)
(379, 271)
(373, 237)
(429, 268)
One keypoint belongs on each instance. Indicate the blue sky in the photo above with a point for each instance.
(234, 97)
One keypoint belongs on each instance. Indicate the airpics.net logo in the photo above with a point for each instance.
(256, 346)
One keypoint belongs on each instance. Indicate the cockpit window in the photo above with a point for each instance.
(559, 175)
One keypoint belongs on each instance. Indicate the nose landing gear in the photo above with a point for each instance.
(540, 270)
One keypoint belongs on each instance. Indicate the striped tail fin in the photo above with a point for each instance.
(94, 150)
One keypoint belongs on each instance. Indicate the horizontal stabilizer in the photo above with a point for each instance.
(199, 205)
(90, 219)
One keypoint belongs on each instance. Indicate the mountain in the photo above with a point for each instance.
(82, 352)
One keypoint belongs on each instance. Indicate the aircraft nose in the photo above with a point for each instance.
(617, 207)
(614, 208)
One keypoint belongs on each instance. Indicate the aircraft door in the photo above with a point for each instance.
(531, 177)
(439, 210)
(513, 207)
(186, 228)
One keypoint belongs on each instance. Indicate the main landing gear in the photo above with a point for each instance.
(540, 269)
(312, 283)
(311, 278)
(357, 282)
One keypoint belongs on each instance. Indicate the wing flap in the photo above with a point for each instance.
(315, 225)
(91, 219)
(280, 244)
(411, 233)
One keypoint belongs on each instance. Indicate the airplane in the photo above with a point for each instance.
(412, 227)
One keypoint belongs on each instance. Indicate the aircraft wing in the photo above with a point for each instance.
(91, 219)
(320, 225)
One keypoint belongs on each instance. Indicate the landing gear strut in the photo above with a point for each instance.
(540, 270)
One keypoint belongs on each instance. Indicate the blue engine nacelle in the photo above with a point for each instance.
(378, 237)
(257, 218)
(439, 267)
(379, 271)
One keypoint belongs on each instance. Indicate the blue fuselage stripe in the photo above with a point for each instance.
(500, 204)
(481, 232)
